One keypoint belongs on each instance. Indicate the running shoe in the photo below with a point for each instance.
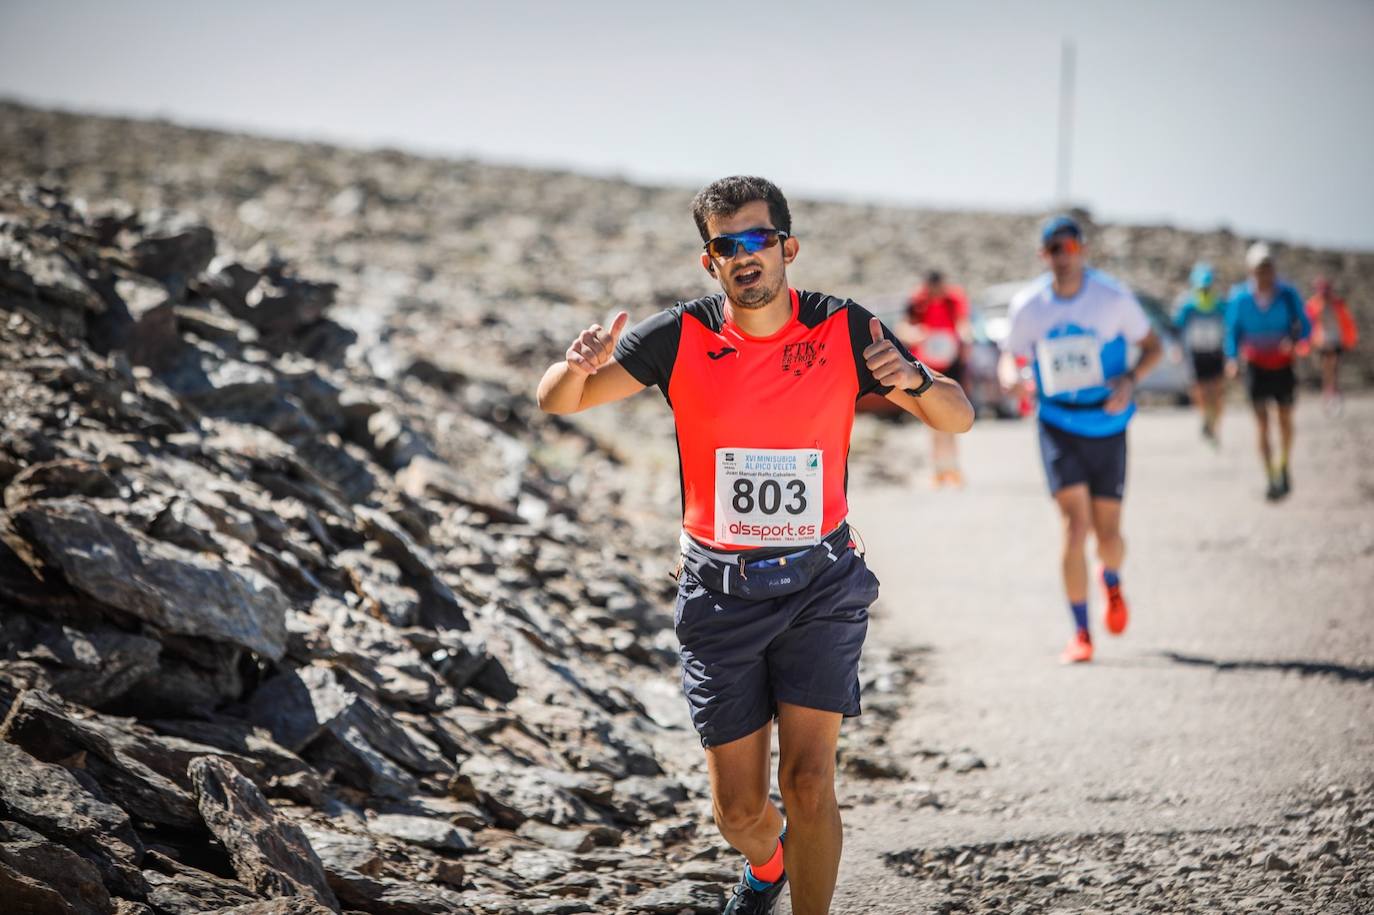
(1079, 650)
(745, 900)
(1116, 615)
(1275, 490)
(953, 478)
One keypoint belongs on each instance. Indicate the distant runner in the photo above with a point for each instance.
(1201, 320)
(937, 331)
(773, 599)
(1265, 322)
(1077, 326)
(1333, 334)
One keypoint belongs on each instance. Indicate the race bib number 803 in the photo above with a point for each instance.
(769, 496)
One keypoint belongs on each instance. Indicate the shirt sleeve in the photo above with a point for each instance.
(1233, 332)
(960, 303)
(1135, 324)
(649, 349)
(1304, 322)
(859, 339)
(1019, 342)
(1185, 311)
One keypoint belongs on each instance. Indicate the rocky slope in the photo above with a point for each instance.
(273, 628)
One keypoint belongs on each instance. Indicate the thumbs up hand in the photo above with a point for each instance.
(594, 346)
(888, 365)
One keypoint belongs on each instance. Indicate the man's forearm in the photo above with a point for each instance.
(1149, 358)
(560, 390)
(944, 406)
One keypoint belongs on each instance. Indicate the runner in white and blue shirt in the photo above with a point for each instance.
(1078, 327)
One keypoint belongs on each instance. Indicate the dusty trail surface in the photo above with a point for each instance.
(1217, 757)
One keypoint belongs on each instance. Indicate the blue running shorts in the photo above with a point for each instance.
(1071, 459)
(740, 657)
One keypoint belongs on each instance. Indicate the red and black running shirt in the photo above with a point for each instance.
(793, 389)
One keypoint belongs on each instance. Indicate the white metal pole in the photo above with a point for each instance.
(1066, 67)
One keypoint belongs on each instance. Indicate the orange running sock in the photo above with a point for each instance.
(771, 871)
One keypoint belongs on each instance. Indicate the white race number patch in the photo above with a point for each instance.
(1069, 364)
(769, 496)
(939, 349)
(1204, 335)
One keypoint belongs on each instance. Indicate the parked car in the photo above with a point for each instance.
(991, 391)
(1172, 376)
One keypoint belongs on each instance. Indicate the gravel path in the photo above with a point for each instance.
(1218, 757)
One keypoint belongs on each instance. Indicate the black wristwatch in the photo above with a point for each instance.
(927, 381)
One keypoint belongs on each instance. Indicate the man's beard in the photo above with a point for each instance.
(758, 295)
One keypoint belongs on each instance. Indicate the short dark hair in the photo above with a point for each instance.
(934, 276)
(728, 195)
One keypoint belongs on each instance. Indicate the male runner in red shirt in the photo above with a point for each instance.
(937, 330)
(773, 600)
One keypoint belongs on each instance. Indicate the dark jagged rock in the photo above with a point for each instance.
(56, 479)
(238, 737)
(49, 799)
(289, 906)
(269, 854)
(684, 896)
(426, 832)
(297, 705)
(39, 877)
(356, 762)
(163, 584)
(177, 889)
(174, 252)
(357, 873)
(52, 731)
(94, 665)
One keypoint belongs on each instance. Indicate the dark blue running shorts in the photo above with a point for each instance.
(740, 658)
(1071, 459)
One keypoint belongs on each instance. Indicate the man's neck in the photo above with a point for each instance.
(765, 321)
(1068, 286)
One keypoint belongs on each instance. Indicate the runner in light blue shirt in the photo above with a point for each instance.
(1201, 321)
(1077, 326)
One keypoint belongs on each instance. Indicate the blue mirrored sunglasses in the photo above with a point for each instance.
(724, 247)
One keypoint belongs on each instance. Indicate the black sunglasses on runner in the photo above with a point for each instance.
(724, 247)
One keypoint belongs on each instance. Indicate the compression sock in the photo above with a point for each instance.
(1080, 615)
(765, 875)
(1110, 578)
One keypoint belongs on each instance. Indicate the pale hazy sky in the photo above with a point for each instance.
(1258, 114)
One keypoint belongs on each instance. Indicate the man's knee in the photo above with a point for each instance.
(808, 789)
(740, 810)
(1075, 532)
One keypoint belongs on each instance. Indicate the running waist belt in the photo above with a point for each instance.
(1091, 405)
(738, 575)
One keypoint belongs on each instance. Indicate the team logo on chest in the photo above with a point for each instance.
(798, 357)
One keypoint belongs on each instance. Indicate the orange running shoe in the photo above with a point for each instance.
(1117, 615)
(1079, 650)
(953, 478)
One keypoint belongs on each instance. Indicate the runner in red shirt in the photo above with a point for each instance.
(937, 331)
(773, 599)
